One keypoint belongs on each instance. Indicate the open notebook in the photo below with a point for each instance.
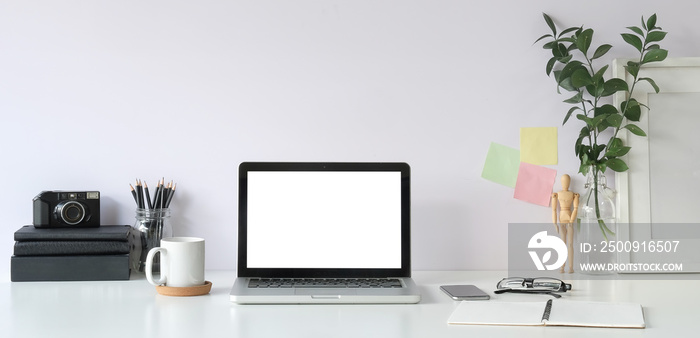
(550, 313)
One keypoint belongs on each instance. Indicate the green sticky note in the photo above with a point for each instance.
(539, 145)
(501, 165)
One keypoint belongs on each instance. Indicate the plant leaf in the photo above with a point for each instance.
(602, 50)
(613, 86)
(632, 68)
(570, 68)
(543, 37)
(602, 167)
(651, 82)
(563, 77)
(635, 130)
(654, 37)
(583, 169)
(568, 115)
(615, 120)
(616, 164)
(599, 74)
(606, 109)
(583, 41)
(585, 132)
(633, 40)
(550, 65)
(617, 152)
(581, 78)
(566, 84)
(615, 143)
(568, 30)
(597, 120)
(636, 30)
(633, 113)
(559, 50)
(651, 23)
(631, 110)
(550, 23)
(655, 55)
(599, 148)
(565, 59)
(578, 98)
(584, 118)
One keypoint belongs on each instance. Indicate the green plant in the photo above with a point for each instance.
(598, 146)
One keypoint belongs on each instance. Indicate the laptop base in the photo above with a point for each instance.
(242, 294)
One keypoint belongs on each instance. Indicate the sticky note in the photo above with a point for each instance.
(501, 165)
(539, 145)
(534, 184)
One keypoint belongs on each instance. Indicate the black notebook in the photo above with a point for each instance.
(52, 248)
(550, 313)
(102, 233)
(69, 268)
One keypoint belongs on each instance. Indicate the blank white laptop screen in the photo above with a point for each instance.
(312, 219)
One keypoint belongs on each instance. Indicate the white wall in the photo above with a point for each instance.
(94, 94)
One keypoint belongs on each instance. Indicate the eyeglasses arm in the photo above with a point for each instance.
(540, 292)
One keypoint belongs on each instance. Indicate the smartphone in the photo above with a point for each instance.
(464, 292)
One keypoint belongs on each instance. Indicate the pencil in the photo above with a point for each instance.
(170, 197)
(133, 193)
(139, 194)
(148, 195)
(158, 196)
(162, 193)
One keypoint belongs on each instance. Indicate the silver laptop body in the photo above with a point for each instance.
(324, 233)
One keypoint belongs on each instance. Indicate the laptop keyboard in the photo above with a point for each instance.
(324, 283)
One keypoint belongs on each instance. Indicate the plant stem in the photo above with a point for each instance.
(601, 222)
(629, 96)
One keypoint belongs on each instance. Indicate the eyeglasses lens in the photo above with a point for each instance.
(530, 283)
(546, 283)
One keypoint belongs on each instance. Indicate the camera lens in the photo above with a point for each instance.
(70, 212)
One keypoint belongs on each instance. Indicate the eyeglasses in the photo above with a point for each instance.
(538, 285)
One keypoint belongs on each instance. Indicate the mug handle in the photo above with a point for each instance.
(149, 266)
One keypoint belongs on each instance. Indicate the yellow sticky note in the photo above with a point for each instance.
(539, 145)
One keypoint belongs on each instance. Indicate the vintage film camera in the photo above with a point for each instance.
(66, 209)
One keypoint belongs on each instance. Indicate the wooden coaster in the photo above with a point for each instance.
(185, 291)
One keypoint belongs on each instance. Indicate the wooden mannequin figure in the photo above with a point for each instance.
(565, 225)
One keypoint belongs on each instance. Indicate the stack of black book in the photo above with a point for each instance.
(72, 254)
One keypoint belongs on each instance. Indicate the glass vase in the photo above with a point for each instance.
(151, 225)
(597, 226)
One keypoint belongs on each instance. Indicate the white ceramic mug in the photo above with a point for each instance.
(181, 262)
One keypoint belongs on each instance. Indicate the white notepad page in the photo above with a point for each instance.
(562, 313)
(596, 314)
(498, 313)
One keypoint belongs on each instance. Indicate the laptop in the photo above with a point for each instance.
(324, 233)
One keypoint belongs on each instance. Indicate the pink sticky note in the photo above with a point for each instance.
(534, 184)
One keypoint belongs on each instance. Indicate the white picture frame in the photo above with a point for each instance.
(661, 190)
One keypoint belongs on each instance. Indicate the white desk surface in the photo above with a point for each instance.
(134, 309)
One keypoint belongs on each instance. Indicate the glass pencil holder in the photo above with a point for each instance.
(151, 226)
